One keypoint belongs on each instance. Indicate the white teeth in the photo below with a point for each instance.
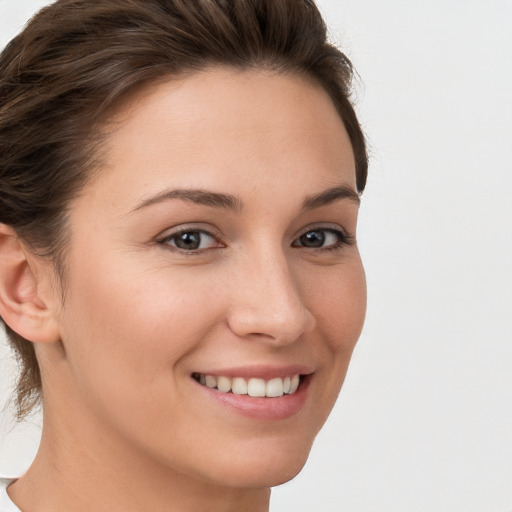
(254, 387)
(224, 384)
(239, 386)
(294, 384)
(275, 387)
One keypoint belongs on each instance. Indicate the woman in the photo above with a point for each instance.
(180, 278)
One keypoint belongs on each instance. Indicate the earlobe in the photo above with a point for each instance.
(21, 305)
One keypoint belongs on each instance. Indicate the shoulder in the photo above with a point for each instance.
(6, 505)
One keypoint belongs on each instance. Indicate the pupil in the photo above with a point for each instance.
(190, 240)
(313, 239)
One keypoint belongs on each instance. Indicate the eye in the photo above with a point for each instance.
(190, 240)
(323, 238)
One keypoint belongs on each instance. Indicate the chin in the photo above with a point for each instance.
(271, 475)
(264, 467)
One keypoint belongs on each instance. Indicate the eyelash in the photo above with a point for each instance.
(165, 241)
(343, 240)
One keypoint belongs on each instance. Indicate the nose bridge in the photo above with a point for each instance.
(269, 303)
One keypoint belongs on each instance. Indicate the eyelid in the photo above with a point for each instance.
(192, 226)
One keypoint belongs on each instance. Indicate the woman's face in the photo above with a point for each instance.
(216, 247)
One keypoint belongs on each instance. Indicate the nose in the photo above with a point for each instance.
(267, 303)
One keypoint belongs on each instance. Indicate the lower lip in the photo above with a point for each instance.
(270, 409)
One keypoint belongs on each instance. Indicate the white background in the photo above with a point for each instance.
(424, 422)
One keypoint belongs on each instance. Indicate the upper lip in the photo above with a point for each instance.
(265, 372)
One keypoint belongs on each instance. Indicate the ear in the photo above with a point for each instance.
(26, 304)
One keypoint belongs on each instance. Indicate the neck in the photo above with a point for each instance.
(80, 467)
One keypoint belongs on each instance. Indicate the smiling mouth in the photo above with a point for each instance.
(254, 387)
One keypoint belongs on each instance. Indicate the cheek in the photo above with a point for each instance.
(127, 338)
(339, 306)
(126, 330)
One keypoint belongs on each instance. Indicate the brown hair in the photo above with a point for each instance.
(77, 58)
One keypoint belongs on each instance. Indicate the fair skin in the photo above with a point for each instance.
(218, 239)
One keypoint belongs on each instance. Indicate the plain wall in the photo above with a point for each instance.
(424, 421)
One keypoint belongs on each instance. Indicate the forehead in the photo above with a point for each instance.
(224, 124)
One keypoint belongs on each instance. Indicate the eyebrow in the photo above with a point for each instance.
(230, 202)
(329, 196)
(198, 196)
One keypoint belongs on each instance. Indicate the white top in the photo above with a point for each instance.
(6, 505)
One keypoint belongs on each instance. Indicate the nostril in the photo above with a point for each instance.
(259, 324)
